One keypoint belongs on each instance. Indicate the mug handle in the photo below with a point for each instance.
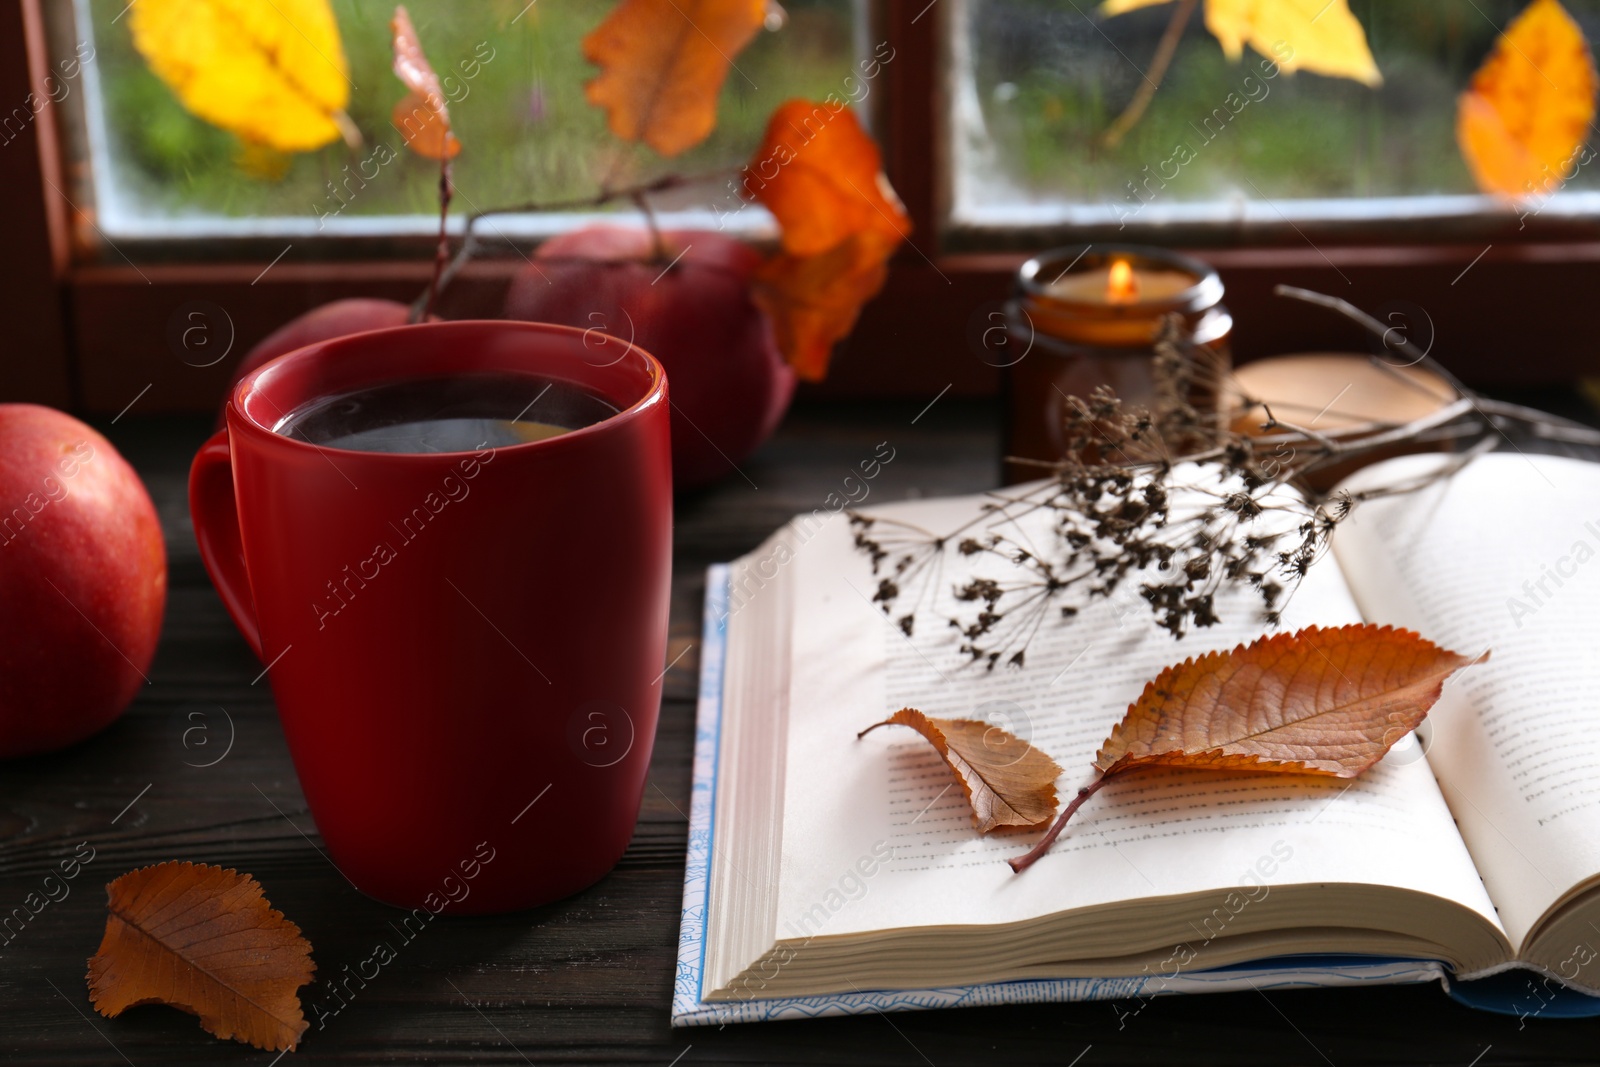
(215, 513)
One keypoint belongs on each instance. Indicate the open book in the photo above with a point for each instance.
(834, 874)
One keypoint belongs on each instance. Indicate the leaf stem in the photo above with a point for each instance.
(1022, 863)
(1165, 50)
(441, 255)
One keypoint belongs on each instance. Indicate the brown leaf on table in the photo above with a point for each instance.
(1526, 115)
(421, 116)
(662, 64)
(1008, 782)
(203, 940)
(821, 176)
(1318, 701)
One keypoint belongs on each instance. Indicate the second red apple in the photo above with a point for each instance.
(688, 304)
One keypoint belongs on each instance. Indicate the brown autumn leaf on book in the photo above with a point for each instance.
(203, 940)
(1007, 781)
(1318, 701)
(1524, 119)
(662, 64)
(822, 178)
(421, 116)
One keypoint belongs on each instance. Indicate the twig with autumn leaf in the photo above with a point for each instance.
(816, 170)
(423, 118)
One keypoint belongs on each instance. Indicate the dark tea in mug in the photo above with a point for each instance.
(462, 413)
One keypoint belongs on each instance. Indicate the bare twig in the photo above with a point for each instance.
(1403, 345)
(1540, 423)
(470, 244)
(1152, 79)
(441, 254)
(658, 245)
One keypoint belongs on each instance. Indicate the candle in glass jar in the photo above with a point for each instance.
(1091, 317)
(1120, 283)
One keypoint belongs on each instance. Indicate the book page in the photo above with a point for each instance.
(1503, 556)
(886, 804)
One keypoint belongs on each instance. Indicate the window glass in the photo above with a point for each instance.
(1037, 85)
(513, 72)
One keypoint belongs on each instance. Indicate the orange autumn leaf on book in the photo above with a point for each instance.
(421, 116)
(1320, 36)
(271, 71)
(1319, 701)
(1007, 781)
(662, 64)
(1527, 112)
(203, 940)
(822, 178)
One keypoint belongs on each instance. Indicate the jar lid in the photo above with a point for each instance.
(1038, 277)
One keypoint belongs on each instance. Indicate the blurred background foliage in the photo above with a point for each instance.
(514, 83)
(1048, 81)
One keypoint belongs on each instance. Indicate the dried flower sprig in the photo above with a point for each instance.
(1166, 501)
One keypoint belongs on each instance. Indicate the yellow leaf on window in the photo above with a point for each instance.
(1527, 112)
(1321, 36)
(1117, 7)
(271, 71)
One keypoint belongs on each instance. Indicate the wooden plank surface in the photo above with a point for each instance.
(588, 979)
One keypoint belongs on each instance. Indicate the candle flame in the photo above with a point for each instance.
(1122, 287)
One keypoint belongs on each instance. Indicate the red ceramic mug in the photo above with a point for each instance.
(465, 648)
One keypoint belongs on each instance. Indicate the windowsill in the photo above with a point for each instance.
(216, 238)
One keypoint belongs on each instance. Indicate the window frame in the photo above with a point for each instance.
(91, 329)
(1260, 222)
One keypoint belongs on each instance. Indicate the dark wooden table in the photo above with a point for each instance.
(586, 980)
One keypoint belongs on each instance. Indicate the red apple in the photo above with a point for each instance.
(688, 304)
(336, 319)
(83, 581)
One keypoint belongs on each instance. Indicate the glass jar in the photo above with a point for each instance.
(1082, 324)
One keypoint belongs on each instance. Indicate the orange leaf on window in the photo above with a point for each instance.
(203, 940)
(1318, 701)
(814, 301)
(1524, 119)
(821, 176)
(1007, 781)
(421, 116)
(662, 64)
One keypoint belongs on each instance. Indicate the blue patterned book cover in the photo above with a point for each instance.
(1515, 992)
